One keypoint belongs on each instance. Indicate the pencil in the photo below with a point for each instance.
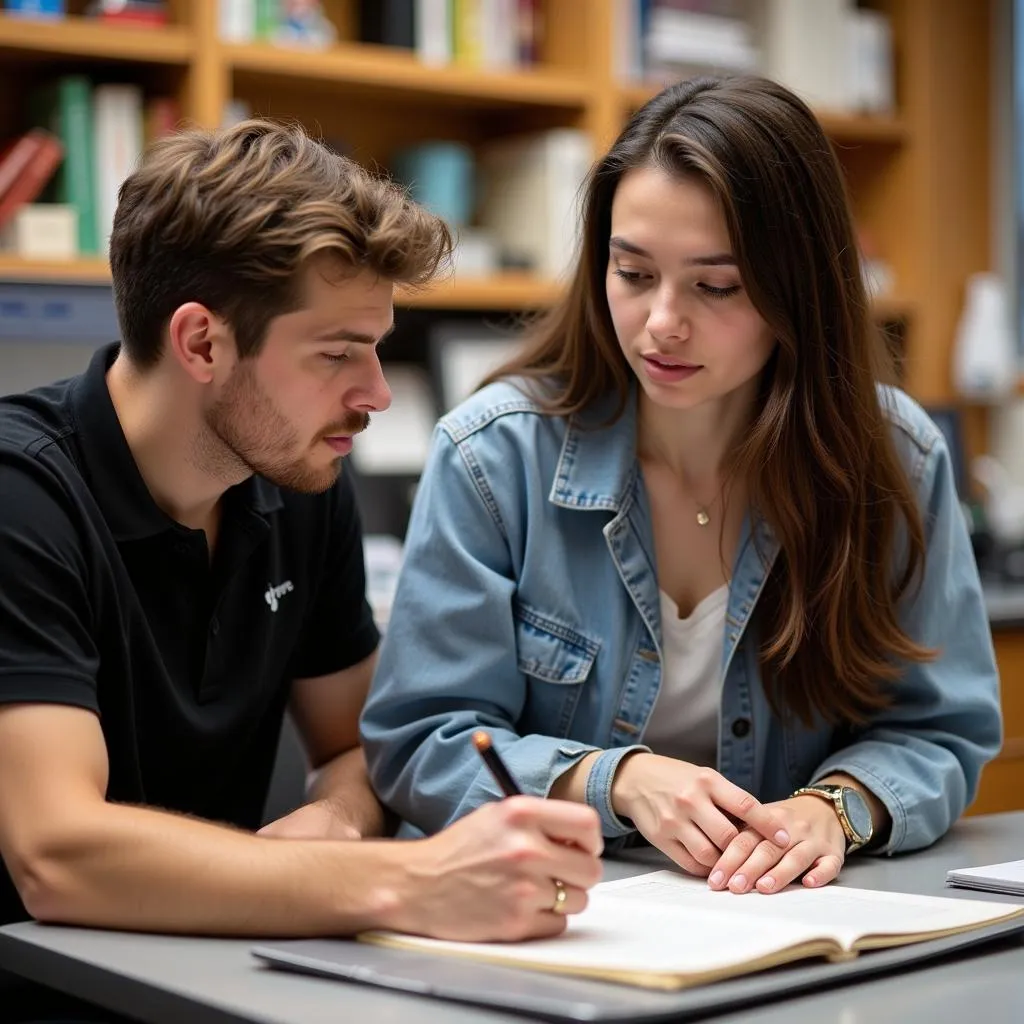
(491, 758)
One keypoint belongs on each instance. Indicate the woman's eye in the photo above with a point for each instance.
(633, 277)
(718, 293)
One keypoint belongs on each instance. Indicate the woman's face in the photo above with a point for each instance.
(682, 316)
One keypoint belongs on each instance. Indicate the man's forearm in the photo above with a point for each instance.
(344, 784)
(135, 868)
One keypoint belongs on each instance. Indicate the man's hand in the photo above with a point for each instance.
(491, 876)
(818, 848)
(688, 812)
(322, 819)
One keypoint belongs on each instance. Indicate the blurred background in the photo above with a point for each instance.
(491, 112)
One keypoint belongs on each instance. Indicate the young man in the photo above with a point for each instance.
(180, 556)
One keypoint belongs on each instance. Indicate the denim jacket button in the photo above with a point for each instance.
(741, 727)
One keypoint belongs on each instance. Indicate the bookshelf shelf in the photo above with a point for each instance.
(84, 37)
(507, 291)
(862, 128)
(77, 271)
(504, 291)
(892, 309)
(387, 70)
(510, 291)
(840, 127)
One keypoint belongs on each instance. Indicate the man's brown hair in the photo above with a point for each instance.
(230, 219)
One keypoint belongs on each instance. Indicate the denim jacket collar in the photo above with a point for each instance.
(597, 466)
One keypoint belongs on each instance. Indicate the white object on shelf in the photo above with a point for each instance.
(805, 47)
(466, 353)
(985, 350)
(530, 187)
(1004, 500)
(237, 21)
(475, 254)
(398, 439)
(42, 231)
(687, 39)
(870, 60)
(382, 554)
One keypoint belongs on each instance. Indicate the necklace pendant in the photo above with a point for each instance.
(703, 518)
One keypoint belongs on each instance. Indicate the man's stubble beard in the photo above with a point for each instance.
(245, 433)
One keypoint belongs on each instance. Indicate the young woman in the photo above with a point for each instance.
(688, 555)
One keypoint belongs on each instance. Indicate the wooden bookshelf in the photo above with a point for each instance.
(394, 73)
(85, 37)
(84, 270)
(920, 180)
(500, 292)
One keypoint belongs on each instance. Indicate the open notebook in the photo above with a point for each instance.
(1006, 878)
(663, 930)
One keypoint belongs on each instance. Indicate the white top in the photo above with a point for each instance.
(684, 721)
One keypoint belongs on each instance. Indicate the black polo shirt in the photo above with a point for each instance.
(107, 603)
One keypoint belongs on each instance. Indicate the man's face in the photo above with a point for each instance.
(289, 414)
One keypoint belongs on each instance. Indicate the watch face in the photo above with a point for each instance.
(857, 811)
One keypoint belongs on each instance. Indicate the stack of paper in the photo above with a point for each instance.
(1006, 878)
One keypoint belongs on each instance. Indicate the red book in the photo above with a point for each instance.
(17, 155)
(32, 178)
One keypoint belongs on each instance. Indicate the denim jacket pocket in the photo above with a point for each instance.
(556, 659)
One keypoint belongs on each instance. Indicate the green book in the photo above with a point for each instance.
(64, 106)
(268, 19)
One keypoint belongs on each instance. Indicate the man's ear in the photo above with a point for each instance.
(201, 343)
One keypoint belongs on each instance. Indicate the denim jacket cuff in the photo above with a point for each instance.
(599, 788)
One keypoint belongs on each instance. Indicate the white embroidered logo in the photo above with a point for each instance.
(273, 593)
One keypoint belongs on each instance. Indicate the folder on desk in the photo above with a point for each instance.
(661, 945)
(1006, 878)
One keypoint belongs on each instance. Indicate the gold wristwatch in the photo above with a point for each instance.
(851, 809)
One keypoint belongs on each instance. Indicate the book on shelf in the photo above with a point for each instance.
(64, 106)
(34, 8)
(666, 931)
(118, 122)
(479, 33)
(530, 191)
(25, 168)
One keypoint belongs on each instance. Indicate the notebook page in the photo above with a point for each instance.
(843, 913)
(632, 932)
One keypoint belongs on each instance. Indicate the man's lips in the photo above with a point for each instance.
(341, 443)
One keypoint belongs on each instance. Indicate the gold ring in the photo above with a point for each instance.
(561, 898)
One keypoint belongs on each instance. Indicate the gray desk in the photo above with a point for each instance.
(165, 980)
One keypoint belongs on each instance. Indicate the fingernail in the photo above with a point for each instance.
(766, 883)
(782, 837)
(737, 882)
(811, 880)
(716, 878)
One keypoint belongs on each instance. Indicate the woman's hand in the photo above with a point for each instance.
(818, 847)
(689, 812)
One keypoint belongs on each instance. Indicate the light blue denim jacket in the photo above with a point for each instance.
(528, 606)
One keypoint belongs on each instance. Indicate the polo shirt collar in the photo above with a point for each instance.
(114, 477)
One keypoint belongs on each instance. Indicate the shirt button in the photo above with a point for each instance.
(741, 727)
(214, 625)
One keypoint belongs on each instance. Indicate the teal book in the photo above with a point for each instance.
(64, 106)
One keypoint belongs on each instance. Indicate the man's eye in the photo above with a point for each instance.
(332, 358)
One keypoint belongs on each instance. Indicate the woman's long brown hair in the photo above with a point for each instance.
(819, 461)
